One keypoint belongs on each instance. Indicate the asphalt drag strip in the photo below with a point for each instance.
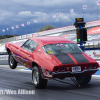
(21, 80)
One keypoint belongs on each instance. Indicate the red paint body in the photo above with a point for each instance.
(48, 63)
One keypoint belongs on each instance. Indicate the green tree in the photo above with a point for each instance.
(40, 29)
(48, 27)
(7, 36)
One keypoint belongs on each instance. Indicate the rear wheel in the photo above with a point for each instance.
(12, 62)
(83, 80)
(37, 80)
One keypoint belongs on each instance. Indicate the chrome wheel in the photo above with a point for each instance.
(11, 60)
(37, 80)
(35, 77)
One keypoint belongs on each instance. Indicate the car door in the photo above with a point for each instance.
(26, 51)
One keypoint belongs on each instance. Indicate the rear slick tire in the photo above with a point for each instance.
(11, 61)
(83, 80)
(37, 80)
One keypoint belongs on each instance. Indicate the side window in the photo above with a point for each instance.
(32, 46)
(26, 44)
(29, 45)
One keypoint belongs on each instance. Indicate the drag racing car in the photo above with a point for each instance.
(51, 57)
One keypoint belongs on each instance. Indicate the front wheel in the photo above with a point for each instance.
(12, 62)
(37, 80)
(83, 80)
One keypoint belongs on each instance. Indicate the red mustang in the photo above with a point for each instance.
(52, 57)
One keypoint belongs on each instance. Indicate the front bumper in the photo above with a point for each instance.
(74, 74)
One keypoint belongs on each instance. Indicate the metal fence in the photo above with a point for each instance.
(93, 45)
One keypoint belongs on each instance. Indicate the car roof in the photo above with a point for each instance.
(44, 40)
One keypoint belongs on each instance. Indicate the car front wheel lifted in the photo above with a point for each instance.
(12, 62)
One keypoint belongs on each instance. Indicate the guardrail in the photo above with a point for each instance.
(53, 31)
(7, 40)
(89, 46)
(3, 57)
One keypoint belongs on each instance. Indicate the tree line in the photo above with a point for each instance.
(48, 27)
(7, 36)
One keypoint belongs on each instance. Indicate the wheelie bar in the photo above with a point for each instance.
(75, 81)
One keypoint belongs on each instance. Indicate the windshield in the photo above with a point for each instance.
(62, 48)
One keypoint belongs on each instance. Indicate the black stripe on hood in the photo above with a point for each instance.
(65, 59)
(80, 58)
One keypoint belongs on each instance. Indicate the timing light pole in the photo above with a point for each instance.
(81, 32)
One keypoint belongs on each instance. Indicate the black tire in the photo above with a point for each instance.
(37, 80)
(83, 80)
(11, 61)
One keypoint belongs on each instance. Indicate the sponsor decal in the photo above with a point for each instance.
(46, 72)
(24, 64)
(49, 52)
(39, 50)
(18, 37)
(3, 57)
(13, 55)
(23, 36)
(21, 60)
(38, 33)
(34, 34)
(96, 55)
(57, 44)
(29, 35)
(80, 48)
(24, 60)
(61, 45)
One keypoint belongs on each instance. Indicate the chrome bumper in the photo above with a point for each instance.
(72, 73)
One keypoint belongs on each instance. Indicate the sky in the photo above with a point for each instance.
(17, 12)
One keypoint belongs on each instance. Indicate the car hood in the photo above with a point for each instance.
(71, 58)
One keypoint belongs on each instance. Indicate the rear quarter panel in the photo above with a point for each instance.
(43, 59)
